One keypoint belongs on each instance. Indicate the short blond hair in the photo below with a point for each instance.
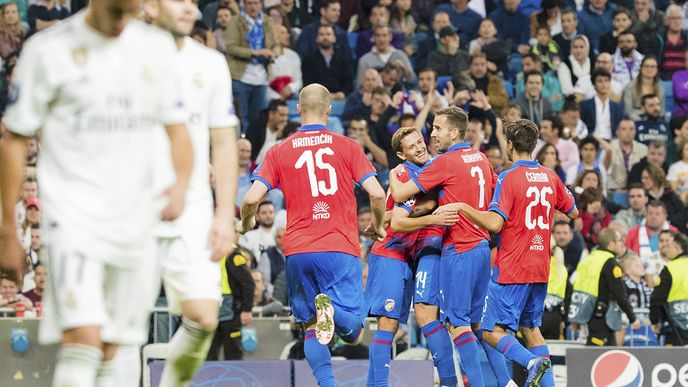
(400, 134)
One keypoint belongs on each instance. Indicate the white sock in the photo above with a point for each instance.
(187, 353)
(77, 366)
(127, 366)
(105, 377)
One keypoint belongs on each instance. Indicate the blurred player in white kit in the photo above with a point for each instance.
(98, 85)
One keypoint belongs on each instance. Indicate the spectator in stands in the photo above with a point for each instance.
(584, 89)
(209, 10)
(424, 10)
(509, 21)
(654, 181)
(392, 74)
(626, 152)
(326, 67)
(548, 157)
(646, 83)
(626, 59)
(621, 22)
(571, 243)
(448, 59)
(648, 23)
(272, 262)
(495, 157)
(496, 51)
(379, 15)
(380, 100)
(574, 127)
(600, 114)
(382, 54)
(656, 155)
(432, 42)
(358, 103)
(546, 48)
(31, 152)
(223, 17)
(644, 239)
(569, 25)
(652, 126)
(576, 65)
(402, 21)
(595, 20)
(678, 174)
(330, 11)
(286, 81)
(44, 14)
(679, 129)
(549, 17)
(635, 214)
(35, 295)
(265, 130)
(427, 83)
(10, 295)
(638, 295)
(36, 238)
(250, 49)
(263, 236)
(246, 167)
(299, 12)
(462, 17)
(551, 89)
(679, 84)
(593, 214)
(533, 104)
(672, 55)
(589, 149)
(478, 77)
(12, 34)
(365, 215)
(551, 129)
(359, 130)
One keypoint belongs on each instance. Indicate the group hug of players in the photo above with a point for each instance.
(436, 253)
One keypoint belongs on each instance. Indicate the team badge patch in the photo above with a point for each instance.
(389, 305)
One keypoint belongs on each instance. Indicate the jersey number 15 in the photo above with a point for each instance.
(310, 161)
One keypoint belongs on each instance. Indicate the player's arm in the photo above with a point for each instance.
(249, 205)
(377, 205)
(403, 222)
(225, 164)
(489, 220)
(182, 160)
(401, 192)
(424, 207)
(659, 296)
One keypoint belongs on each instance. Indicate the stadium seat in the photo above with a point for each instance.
(291, 105)
(353, 40)
(420, 36)
(442, 83)
(668, 96)
(509, 88)
(620, 198)
(337, 108)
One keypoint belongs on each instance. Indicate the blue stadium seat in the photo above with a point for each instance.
(442, 83)
(353, 40)
(620, 198)
(420, 36)
(337, 108)
(668, 96)
(291, 105)
(509, 88)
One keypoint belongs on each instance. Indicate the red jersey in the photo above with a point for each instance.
(399, 245)
(464, 175)
(316, 170)
(525, 196)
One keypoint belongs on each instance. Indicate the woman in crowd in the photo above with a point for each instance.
(548, 156)
(593, 179)
(549, 16)
(496, 50)
(654, 181)
(593, 214)
(647, 82)
(577, 65)
(621, 22)
(402, 21)
(12, 34)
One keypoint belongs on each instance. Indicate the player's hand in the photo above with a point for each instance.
(445, 219)
(243, 229)
(246, 318)
(176, 196)
(11, 255)
(657, 328)
(376, 232)
(222, 235)
(449, 208)
(636, 324)
(575, 327)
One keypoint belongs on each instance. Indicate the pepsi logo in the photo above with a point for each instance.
(617, 369)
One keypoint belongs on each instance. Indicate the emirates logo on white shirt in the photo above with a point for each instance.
(321, 210)
(537, 243)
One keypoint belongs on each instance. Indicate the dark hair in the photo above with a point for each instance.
(657, 204)
(623, 10)
(264, 203)
(326, 3)
(586, 172)
(523, 135)
(379, 91)
(570, 105)
(644, 98)
(679, 238)
(677, 122)
(532, 56)
(289, 129)
(541, 155)
(556, 123)
(590, 140)
(326, 26)
(561, 223)
(429, 70)
(407, 116)
(532, 73)
(363, 210)
(657, 175)
(456, 118)
(36, 226)
(636, 185)
(588, 196)
(626, 32)
(598, 72)
(569, 11)
(477, 55)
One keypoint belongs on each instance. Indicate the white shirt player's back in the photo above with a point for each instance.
(99, 102)
(206, 88)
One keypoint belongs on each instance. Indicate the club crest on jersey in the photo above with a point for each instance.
(198, 81)
(80, 55)
(389, 305)
(410, 202)
(537, 243)
(321, 210)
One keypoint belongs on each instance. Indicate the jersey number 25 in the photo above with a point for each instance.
(539, 197)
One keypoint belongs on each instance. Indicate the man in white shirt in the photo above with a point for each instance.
(260, 239)
(98, 85)
(190, 247)
(600, 114)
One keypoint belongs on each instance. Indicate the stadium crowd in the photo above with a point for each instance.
(607, 83)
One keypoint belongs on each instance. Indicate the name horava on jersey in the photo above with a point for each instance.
(537, 177)
(472, 158)
(321, 210)
(537, 243)
(311, 140)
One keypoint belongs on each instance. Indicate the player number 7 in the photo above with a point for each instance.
(318, 187)
(481, 182)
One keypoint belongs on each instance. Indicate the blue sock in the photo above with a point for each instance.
(347, 325)
(371, 371)
(513, 350)
(381, 356)
(467, 344)
(442, 352)
(318, 357)
(548, 378)
(496, 359)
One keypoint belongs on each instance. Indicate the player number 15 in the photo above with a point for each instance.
(318, 187)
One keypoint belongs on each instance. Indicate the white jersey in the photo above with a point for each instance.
(99, 102)
(203, 76)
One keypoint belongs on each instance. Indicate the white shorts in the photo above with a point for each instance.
(187, 271)
(83, 289)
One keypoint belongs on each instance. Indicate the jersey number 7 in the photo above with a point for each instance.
(318, 187)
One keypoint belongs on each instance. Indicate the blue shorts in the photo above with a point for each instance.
(335, 274)
(389, 289)
(463, 284)
(428, 271)
(514, 305)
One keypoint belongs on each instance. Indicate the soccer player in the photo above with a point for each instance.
(190, 247)
(98, 85)
(462, 174)
(316, 170)
(390, 285)
(521, 211)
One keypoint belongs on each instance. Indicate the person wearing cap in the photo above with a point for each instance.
(448, 60)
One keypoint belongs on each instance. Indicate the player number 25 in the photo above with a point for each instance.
(318, 187)
(539, 197)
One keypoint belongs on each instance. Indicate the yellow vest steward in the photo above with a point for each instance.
(678, 294)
